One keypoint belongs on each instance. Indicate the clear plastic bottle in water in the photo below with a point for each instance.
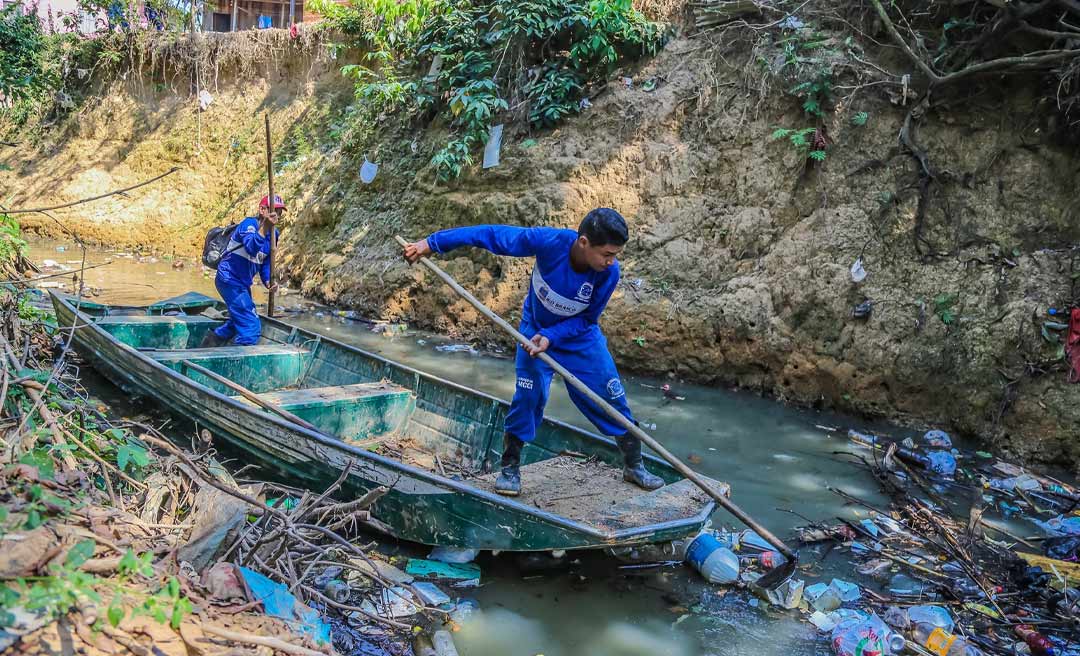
(935, 615)
(861, 635)
(712, 559)
(940, 642)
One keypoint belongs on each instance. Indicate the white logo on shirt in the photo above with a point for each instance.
(585, 293)
(524, 383)
(554, 302)
(615, 388)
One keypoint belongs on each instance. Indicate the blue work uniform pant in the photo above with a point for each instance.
(243, 326)
(593, 365)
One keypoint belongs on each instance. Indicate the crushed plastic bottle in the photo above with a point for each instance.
(936, 615)
(823, 598)
(942, 643)
(897, 617)
(713, 560)
(463, 610)
(457, 348)
(1060, 525)
(1024, 482)
(765, 559)
(1039, 644)
(864, 637)
(847, 591)
(904, 585)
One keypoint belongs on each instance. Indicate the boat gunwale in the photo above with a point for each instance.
(615, 537)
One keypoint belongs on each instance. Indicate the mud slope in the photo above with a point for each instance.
(738, 272)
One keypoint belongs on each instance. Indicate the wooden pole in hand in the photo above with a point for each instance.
(618, 417)
(271, 208)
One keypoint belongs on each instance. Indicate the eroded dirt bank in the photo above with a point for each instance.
(738, 272)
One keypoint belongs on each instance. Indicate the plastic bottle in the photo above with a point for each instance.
(935, 615)
(1057, 312)
(942, 643)
(857, 636)
(765, 559)
(337, 590)
(1039, 644)
(713, 560)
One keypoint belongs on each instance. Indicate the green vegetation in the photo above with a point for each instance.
(804, 141)
(944, 307)
(21, 45)
(12, 244)
(473, 64)
(36, 493)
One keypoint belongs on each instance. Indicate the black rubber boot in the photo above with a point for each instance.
(634, 465)
(509, 481)
(211, 340)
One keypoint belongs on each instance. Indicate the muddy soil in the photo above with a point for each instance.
(738, 272)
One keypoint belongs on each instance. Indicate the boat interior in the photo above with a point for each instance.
(401, 414)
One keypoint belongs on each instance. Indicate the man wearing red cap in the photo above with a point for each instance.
(248, 253)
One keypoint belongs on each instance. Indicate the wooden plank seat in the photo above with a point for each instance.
(259, 367)
(355, 413)
(158, 332)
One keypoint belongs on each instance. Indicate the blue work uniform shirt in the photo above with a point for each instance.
(248, 255)
(562, 304)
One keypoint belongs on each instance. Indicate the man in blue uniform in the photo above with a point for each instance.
(247, 254)
(572, 280)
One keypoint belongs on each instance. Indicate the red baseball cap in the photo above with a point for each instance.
(278, 203)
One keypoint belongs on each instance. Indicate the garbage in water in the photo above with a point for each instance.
(457, 348)
(824, 598)
(361, 567)
(392, 602)
(461, 573)
(865, 636)
(788, 595)
(938, 439)
(443, 642)
(712, 559)
(430, 593)
(974, 586)
(464, 610)
(935, 615)
(453, 555)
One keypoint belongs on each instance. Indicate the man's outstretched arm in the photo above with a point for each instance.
(499, 239)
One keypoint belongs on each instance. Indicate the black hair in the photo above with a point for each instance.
(604, 226)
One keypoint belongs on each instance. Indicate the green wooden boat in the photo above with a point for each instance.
(434, 443)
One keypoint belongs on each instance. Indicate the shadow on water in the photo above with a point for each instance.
(777, 459)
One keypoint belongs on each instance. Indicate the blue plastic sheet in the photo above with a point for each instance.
(278, 602)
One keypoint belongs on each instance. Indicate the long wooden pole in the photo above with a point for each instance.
(249, 395)
(615, 414)
(271, 208)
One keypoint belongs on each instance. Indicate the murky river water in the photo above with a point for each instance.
(776, 458)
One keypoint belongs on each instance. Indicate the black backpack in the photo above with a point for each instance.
(215, 245)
